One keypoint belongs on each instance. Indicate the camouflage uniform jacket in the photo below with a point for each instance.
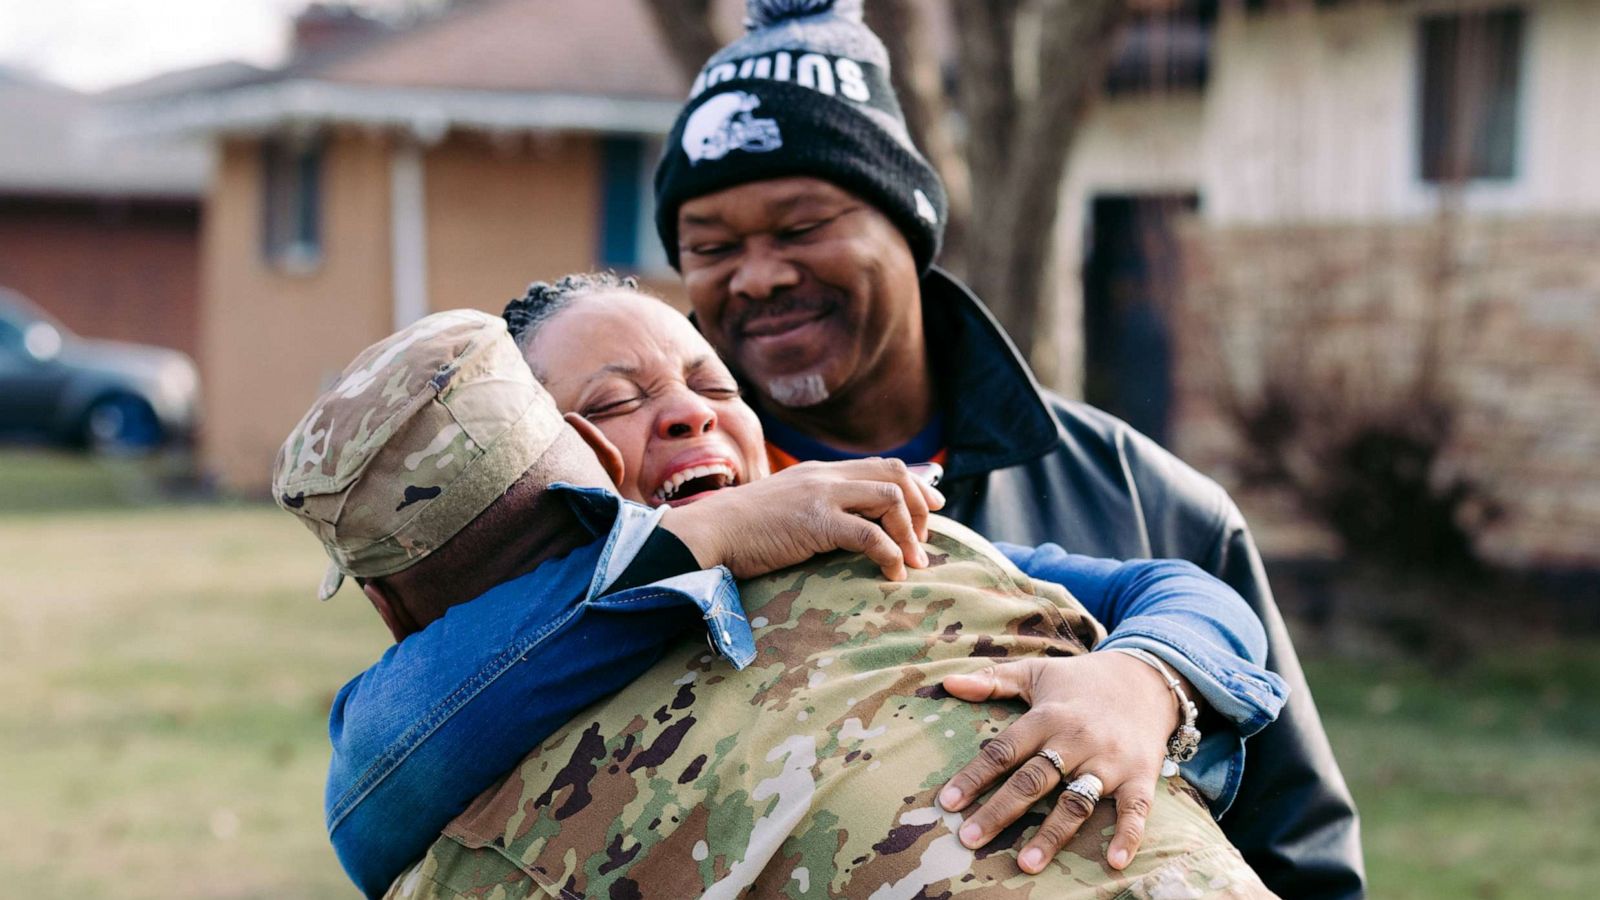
(812, 772)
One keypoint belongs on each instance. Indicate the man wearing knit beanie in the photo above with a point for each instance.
(806, 225)
(801, 96)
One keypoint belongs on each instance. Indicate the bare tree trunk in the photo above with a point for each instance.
(689, 30)
(987, 93)
(919, 82)
(1019, 137)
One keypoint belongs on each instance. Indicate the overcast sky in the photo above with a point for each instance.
(94, 44)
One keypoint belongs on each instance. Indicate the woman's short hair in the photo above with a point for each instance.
(540, 303)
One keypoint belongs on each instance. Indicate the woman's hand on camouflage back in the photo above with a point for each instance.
(1105, 714)
(871, 506)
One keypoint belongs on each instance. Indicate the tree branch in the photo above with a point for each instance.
(987, 93)
(1075, 44)
(915, 70)
(689, 30)
(1017, 196)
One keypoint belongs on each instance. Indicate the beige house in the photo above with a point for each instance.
(442, 166)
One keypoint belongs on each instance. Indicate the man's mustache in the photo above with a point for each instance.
(785, 304)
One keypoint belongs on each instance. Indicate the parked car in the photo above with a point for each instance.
(107, 396)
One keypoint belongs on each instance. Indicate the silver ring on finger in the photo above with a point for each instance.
(1086, 786)
(1055, 760)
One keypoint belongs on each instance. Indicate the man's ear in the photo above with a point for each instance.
(608, 454)
(389, 608)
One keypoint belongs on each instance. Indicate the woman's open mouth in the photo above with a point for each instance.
(692, 483)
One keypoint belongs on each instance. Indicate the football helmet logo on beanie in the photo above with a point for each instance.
(724, 123)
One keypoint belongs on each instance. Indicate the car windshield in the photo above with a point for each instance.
(10, 334)
(20, 312)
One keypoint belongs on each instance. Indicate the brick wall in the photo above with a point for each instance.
(1345, 317)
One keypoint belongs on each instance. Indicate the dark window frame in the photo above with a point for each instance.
(1471, 72)
(621, 160)
(292, 201)
(1164, 51)
(626, 240)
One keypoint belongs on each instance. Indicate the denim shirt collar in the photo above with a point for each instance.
(626, 526)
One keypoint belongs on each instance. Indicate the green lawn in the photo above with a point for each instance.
(167, 672)
(1482, 784)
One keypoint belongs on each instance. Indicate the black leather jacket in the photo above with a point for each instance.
(1026, 466)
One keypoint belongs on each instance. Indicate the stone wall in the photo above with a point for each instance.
(1496, 320)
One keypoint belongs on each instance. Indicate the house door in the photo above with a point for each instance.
(1130, 278)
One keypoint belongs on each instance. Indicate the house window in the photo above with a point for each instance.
(291, 191)
(1471, 70)
(1167, 49)
(628, 241)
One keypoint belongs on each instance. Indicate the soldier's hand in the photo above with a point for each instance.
(1106, 714)
(870, 506)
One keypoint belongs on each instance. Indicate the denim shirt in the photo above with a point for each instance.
(449, 710)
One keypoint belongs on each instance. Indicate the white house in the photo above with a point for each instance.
(1391, 161)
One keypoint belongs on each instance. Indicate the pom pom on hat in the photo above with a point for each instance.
(767, 13)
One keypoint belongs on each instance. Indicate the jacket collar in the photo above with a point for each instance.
(993, 412)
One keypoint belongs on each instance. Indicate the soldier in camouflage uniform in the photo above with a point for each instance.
(813, 772)
(700, 777)
(435, 471)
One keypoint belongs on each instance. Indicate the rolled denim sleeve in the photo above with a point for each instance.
(1194, 623)
(452, 708)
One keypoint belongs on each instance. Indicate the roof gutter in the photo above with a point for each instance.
(427, 113)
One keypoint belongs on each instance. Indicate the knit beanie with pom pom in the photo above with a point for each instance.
(805, 91)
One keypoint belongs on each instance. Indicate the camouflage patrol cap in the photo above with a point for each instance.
(419, 435)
